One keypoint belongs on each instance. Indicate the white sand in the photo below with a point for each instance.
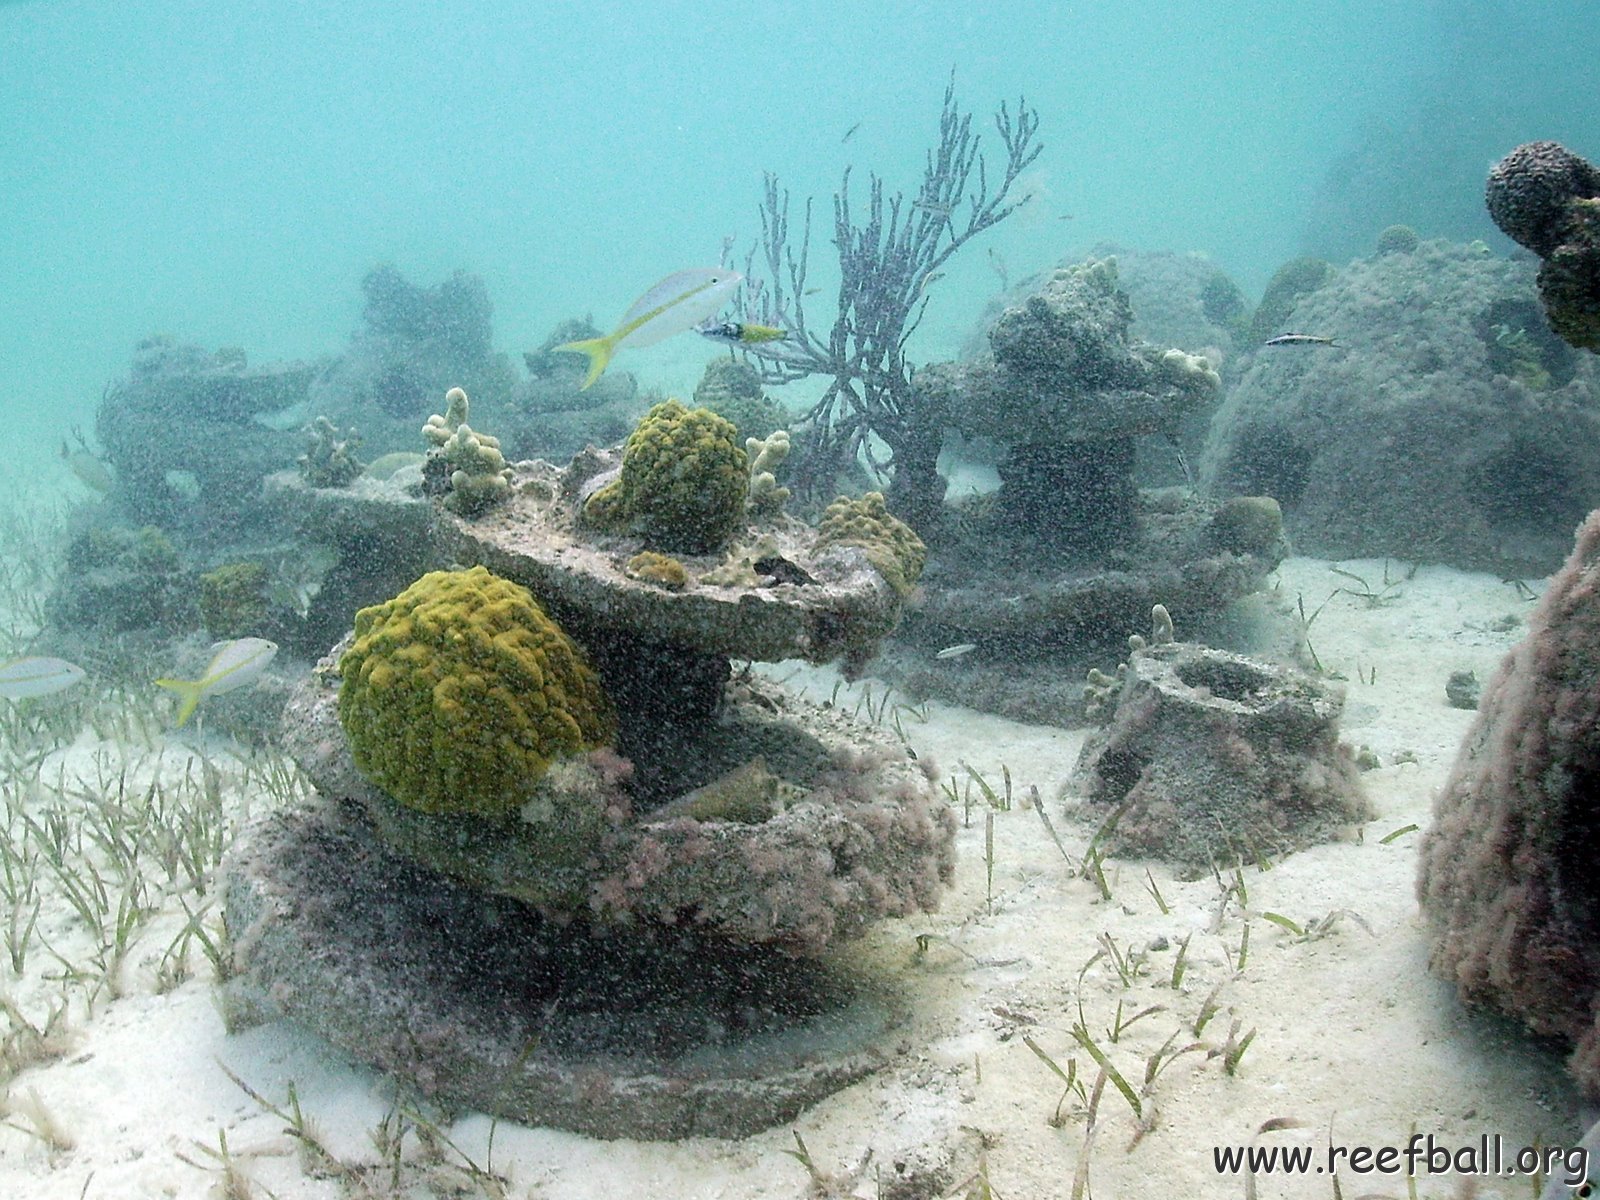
(1352, 1033)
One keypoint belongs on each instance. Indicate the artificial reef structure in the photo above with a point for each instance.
(566, 863)
(1507, 879)
(1029, 576)
(1207, 756)
(1443, 420)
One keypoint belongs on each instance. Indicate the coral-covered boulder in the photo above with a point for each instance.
(1508, 880)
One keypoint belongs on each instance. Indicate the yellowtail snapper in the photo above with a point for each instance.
(24, 678)
(680, 301)
(233, 665)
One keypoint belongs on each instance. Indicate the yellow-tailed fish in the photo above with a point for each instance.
(680, 301)
(24, 678)
(233, 665)
(740, 333)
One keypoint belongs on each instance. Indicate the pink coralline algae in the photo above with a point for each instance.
(1507, 879)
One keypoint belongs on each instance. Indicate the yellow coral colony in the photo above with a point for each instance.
(459, 693)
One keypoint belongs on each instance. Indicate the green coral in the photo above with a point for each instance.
(683, 481)
(460, 693)
(892, 546)
(659, 569)
(1296, 278)
(1248, 525)
(233, 600)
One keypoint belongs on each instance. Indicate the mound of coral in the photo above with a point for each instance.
(682, 483)
(460, 693)
(1548, 199)
(1447, 422)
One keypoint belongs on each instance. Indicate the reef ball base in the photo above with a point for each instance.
(628, 1034)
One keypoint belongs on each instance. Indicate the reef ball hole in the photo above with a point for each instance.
(1228, 680)
(1120, 770)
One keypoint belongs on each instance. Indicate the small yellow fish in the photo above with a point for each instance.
(23, 678)
(680, 301)
(234, 665)
(740, 333)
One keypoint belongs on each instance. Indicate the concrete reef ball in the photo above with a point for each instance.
(683, 481)
(460, 693)
(1548, 199)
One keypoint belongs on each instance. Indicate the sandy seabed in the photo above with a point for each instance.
(1354, 1043)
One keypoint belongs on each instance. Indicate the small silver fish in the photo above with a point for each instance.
(1299, 339)
(957, 651)
(24, 678)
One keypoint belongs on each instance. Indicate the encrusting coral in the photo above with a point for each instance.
(659, 569)
(460, 693)
(1507, 879)
(683, 482)
(891, 545)
(471, 462)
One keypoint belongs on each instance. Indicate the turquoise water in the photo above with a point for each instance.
(226, 172)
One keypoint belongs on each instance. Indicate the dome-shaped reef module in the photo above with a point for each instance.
(1507, 879)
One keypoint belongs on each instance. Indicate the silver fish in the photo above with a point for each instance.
(1300, 339)
(957, 651)
(24, 678)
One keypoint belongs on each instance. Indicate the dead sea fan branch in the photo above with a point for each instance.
(886, 263)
